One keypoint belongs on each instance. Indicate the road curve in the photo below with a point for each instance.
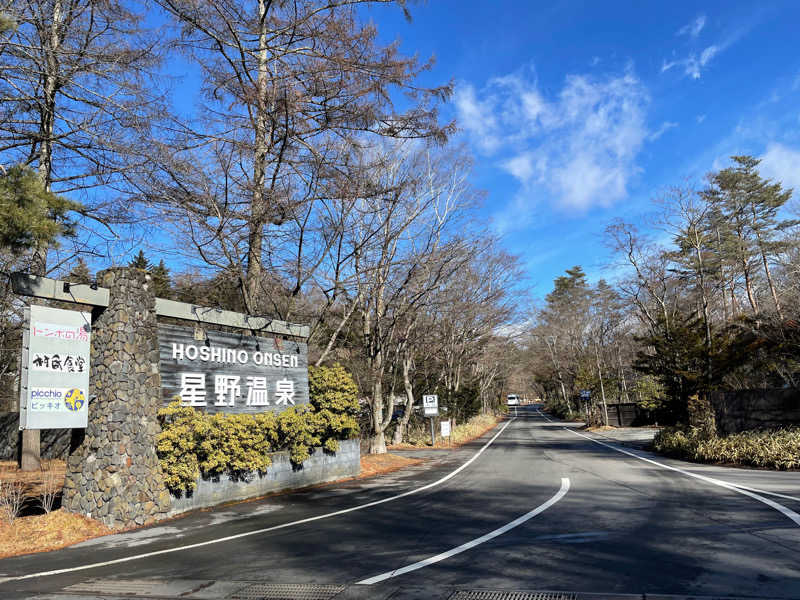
(625, 526)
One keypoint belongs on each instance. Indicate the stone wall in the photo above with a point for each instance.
(114, 474)
(55, 442)
(281, 475)
(756, 409)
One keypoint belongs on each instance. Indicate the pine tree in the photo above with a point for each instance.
(32, 215)
(162, 282)
(141, 262)
(80, 273)
(749, 205)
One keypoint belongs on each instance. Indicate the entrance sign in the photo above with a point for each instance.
(231, 372)
(55, 369)
(445, 425)
(430, 405)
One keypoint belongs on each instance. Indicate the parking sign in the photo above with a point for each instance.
(430, 405)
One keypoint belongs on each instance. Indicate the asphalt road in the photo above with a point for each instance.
(540, 508)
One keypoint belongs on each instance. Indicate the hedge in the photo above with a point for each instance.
(193, 443)
(774, 449)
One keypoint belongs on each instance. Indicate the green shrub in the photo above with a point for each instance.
(775, 449)
(192, 443)
(334, 398)
(298, 433)
(237, 444)
(182, 430)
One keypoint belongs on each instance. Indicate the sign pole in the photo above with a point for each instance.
(430, 406)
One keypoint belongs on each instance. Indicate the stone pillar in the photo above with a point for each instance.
(114, 474)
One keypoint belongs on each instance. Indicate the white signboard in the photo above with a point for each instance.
(430, 405)
(55, 369)
(445, 428)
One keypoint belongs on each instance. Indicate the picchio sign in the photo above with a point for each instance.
(226, 372)
(55, 369)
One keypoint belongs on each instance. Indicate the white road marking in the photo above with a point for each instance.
(758, 491)
(266, 529)
(471, 544)
(724, 484)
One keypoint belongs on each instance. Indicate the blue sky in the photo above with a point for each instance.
(580, 112)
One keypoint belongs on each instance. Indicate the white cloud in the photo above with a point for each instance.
(665, 126)
(781, 163)
(476, 117)
(577, 148)
(520, 166)
(693, 64)
(693, 27)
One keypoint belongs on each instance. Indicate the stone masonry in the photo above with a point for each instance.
(114, 475)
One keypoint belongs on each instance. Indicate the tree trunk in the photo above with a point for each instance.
(377, 442)
(768, 273)
(602, 387)
(30, 450)
(402, 424)
(258, 209)
(748, 286)
(622, 375)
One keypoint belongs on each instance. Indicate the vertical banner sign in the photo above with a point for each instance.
(55, 369)
(217, 371)
(445, 425)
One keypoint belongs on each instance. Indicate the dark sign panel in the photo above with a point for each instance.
(227, 372)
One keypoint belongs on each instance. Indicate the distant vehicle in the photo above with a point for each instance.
(512, 400)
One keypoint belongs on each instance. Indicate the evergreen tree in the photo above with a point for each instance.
(162, 282)
(32, 216)
(141, 262)
(80, 273)
(748, 205)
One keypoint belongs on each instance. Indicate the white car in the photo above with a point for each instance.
(512, 400)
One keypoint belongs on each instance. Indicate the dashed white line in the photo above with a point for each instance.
(265, 529)
(472, 543)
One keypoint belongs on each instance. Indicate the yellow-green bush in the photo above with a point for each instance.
(334, 398)
(193, 443)
(237, 443)
(775, 449)
(182, 431)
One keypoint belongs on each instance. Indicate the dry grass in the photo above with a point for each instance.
(34, 482)
(40, 533)
(600, 428)
(378, 464)
(764, 449)
(460, 435)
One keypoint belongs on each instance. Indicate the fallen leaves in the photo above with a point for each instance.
(40, 533)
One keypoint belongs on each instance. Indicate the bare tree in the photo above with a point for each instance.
(289, 92)
(77, 92)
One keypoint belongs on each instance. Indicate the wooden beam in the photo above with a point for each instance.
(53, 289)
(215, 316)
